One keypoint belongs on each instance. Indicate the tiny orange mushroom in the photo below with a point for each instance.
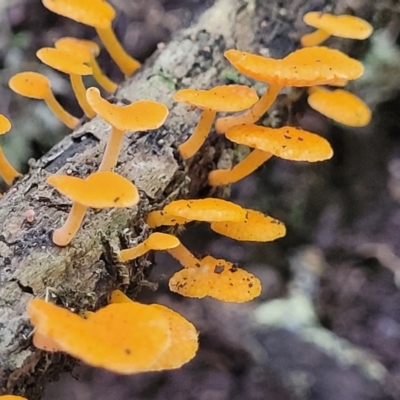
(220, 98)
(7, 171)
(37, 86)
(286, 142)
(139, 116)
(344, 26)
(122, 338)
(89, 50)
(72, 65)
(257, 227)
(305, 67)
(340, 105)
(156, 241)
(90, 192)
(99, 14)
(218, 279)
(12, 397)
(159, 217)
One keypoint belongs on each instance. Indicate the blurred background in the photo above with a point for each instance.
(327, 325)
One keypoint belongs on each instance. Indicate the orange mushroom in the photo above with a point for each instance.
(184, 256)
(208, 210)
(305, 67)
(159, 217)
(90, 192)
(73, 65)
(219, 98)
(139, 116)
(89, 50)
(99, 14)
(257, 227)
(156, 241)
(124, 338)
(7, 171)
(12, 397)
(218, 279)
(340, 105)
(37, 86)
(344, 26)
(286, 142)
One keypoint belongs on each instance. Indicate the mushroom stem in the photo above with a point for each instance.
(104, 81)
(132, 253)
(63, 236)
(7, 171)
(112, 151)
(253, 114)
(314, 38)
(66, 118)
(80, 92)
(125, 62)
(239, 171)
(184, 256)
(193, 144)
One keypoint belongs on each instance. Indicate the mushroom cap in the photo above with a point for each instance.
(160, 217)
(257, 227)
(12, 397)
(305, 67)
(64, 61)
(286, 142)
(341, 106)
(99, 190)
(124, 338)
(139, 116)
(208, 210)
(184, 336)
(86, 49)
(220, 98)
(30, 84)
(95, 13)
(345, 26)
(5, 124)
(219, 279)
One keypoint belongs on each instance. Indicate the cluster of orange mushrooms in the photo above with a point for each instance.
(152, 337)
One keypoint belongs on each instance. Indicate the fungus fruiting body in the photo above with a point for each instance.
(37, 86)
(340, 105)
(184, 256)
(220, 98)
(156, 241)
(90, 192)
(90, 50)
(257, 227)
(345, 26)
(12, 397)
(287, 142)
(7, 171)
(98, 14)
(305, 67)
(139, 116)
(160, 217)
(72, 64)
(218, 279)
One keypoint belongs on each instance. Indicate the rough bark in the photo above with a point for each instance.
(83, 274)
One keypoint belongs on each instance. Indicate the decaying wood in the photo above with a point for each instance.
(83, 274)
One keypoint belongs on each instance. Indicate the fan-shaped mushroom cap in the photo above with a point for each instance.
(160, 217)
(341, 106)
(305, 67)
(12, 397)
(256, 227)
(95, 13)
(30, 84)
(345, 26)
(64, 61)
(72, 44)
(219, 279)
(220, 98)
(98, 190)
(139, 116)
(156, 241)
(287, 142)
(208, 210)
(123, 338)
(184, 336)
(5, 124)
